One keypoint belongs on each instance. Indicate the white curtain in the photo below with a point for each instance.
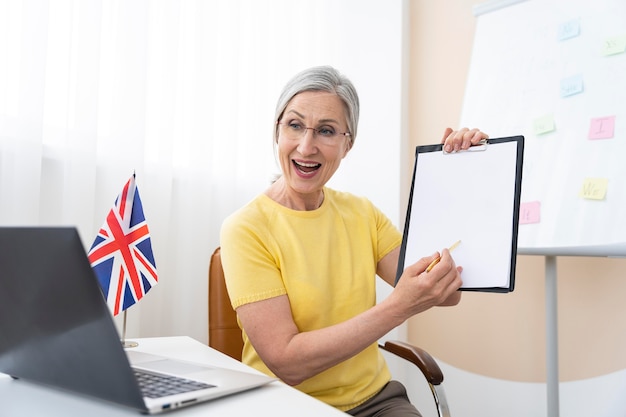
(182, 93)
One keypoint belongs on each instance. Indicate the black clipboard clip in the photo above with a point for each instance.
(479, 147)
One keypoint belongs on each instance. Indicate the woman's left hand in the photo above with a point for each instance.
(462, 139)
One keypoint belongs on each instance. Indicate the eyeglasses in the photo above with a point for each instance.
(296, 130)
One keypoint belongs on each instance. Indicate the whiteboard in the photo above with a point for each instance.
(554, 71)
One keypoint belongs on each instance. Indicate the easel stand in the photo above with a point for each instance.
(552, 327)
(552, 338)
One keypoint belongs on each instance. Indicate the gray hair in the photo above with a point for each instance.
(323, 78)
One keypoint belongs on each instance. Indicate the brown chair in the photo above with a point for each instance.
(225, 335)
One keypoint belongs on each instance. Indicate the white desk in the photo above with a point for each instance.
(20, 398)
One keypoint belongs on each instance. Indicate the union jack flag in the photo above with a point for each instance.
(121, 255)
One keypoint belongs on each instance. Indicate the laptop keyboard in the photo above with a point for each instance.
(155, 385)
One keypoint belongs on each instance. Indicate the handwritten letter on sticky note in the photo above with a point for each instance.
(594, 188)
(569, 29)
(602, 127)
(544, 124)
(529, 212)
(614, 45)
(571, 86)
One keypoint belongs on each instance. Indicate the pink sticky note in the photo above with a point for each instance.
(529, 212)
(602, 127)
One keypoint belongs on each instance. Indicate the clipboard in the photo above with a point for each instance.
(472, 196)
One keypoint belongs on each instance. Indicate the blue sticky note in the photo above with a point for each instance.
(569, 29)
(571, 86)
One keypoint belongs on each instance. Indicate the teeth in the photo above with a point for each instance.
(307, 165)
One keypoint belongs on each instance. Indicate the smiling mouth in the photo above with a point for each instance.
(305, 167)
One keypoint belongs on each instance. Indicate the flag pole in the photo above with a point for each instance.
(124, 342)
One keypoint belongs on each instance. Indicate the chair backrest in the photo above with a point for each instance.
(224, 332)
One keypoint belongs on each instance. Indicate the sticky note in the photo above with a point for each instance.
(544, 124)
(602, 127)
(569, 29)
(614, 45)
(529, 212)
(594, 188)
(571, 86)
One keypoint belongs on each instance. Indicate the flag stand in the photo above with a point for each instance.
(125, 343)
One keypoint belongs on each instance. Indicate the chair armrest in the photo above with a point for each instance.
(417, 356)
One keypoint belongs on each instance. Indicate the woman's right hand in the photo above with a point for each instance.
(418, 290)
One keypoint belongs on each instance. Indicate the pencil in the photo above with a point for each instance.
(438, 258)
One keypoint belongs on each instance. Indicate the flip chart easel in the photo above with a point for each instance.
(561, 99)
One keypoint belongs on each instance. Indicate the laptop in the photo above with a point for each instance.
(56, 330)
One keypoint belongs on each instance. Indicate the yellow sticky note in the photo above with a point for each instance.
(543, 124)
(614, 45)
(594, 188)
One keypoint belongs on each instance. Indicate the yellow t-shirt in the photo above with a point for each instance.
(325, 261)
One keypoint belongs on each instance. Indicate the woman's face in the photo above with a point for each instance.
(307, 158)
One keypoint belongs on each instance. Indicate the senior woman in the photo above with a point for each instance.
(301, 260)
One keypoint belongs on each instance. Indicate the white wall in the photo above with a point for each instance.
(472, 395)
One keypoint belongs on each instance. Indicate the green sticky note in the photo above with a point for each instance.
(544, 124)
(614, 45)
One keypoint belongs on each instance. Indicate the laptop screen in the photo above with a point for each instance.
(55, 327)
